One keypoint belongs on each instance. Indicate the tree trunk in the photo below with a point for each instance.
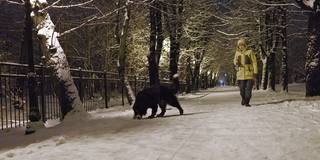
(272, 47)
(67, 92)
(156, 39)
(284, 59)
(312, 66)
(264, 79)
(268, 56)
(123, 55)
(196, 76)
(189, 75)
(268, 49)
(313, 56)
(174, 26)
(272, 70)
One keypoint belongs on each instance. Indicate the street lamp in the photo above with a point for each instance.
(34, 115)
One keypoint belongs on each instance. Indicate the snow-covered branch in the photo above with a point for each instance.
(231, 34)
(54, 5)
(75, 28)
(56, 2)
(14, 2)
(73, 5)
(308, 4)
(277, 4)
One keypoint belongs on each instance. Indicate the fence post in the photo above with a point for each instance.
(42, 81)
(105, 88)
(80, 84)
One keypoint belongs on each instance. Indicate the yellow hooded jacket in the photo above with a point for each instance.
(246, 64)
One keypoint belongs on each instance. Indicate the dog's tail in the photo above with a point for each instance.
(174, 88)
(175, 76)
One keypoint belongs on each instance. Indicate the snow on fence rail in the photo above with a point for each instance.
(97, 89)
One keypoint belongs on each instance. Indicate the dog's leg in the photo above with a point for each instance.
(163, 105)
(175, 103)
(180, 110)
(154, 111)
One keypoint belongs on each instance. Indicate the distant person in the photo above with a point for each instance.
(245, 62)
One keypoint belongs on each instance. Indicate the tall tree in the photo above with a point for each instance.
(312, 65)
(122, 61)
(56, 59)
(284, 51)
(272, 46)
(156, 39)
(173, 15)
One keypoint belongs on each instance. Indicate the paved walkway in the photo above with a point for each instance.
(215, 127)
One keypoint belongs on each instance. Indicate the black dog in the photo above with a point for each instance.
(149, 98)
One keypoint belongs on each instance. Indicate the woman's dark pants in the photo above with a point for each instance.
(245, 90)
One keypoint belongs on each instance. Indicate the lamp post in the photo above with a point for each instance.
(34, 114)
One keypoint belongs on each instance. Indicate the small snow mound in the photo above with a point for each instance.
(60, 140)
(10, 155)
(51, 123)
(111, 113)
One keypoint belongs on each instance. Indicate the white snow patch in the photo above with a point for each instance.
(111, 113)
(176, 75)
(284, 130)
(309, 3)
(52, 122)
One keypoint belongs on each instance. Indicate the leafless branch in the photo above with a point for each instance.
(277, 4)
(14, 2)
(231, 34)
(73, 5)
(75, 28)
(56, 2)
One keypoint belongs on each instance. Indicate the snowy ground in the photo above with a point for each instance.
(215, 127)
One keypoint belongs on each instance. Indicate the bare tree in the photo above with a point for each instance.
(156, 39)
(312, 65)
(123, 54)
(173, 15)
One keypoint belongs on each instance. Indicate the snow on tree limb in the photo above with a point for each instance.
(231, 34)
(277, 4)
(73, 5)
(14, 2)
(45, 7)
(75, 28)
(309, 4)
(57, 60)
(54, 3)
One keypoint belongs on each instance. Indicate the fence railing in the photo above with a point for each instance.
(97, 89)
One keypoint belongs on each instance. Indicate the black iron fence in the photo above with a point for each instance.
(97, 89)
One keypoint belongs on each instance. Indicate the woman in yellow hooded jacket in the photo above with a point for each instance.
(245, 62)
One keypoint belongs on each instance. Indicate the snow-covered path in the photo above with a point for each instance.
(215, 127)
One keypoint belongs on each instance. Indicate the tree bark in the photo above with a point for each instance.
(284, 59)
(266, 52)
(189, 75)
(272, 44)
(196, 76)
(264, 78)
(198, 57)
(66, 90)
(156, 40)
(122, 61)
(174, 27)
(312, 66)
